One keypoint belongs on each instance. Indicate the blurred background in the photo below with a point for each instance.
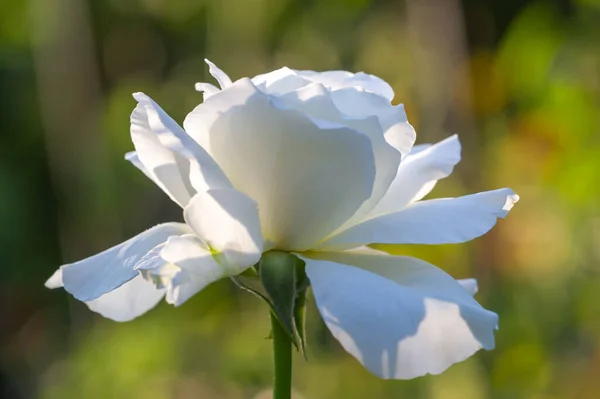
(518, 80)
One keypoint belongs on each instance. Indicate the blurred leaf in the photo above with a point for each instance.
(528, 50)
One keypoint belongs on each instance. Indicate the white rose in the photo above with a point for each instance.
(315, 164)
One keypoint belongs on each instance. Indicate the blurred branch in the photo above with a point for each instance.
(69, 90)
(441, 59)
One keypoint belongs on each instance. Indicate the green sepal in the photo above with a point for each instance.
(285, 282)
(277, 272)
(279, 279)
(249, 281)
(300, 322)
(302, 285)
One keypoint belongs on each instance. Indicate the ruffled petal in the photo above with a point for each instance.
(394, 122)
(280, 81)
(418, 173)
(178, 163)
(344, 79)
(156, 154)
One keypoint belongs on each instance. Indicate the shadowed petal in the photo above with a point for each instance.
(132, 299)
(90, 278)
(399, 316)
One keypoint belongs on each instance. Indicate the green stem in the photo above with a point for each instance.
(282, 356)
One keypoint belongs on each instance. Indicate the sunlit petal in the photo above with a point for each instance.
(227, 220)
(418, 173)
(307, 176)
(439, 221)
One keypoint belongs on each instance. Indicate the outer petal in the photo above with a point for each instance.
(125, 303)
(227, 221)
(133, 157)
(218, 74)
(400, 317)
(55, 281)
(307, 177)
(129, 301)
(439, 221)
(343, 79)
(90, 278)
(206, 89)
(154, 150)
(469, 284)
(172, 159)
(418, 173)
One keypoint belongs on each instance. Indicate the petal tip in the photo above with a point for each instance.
(55, 281)
(511, 199)
(139, 96)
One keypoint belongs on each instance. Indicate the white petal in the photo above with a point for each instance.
(469, 284)
(206, 88)
(198, 122)
(168, 168)
(133, 157)
(132, 299)
(92, 277)
(181, 267)
(218, 74)
(315, 100)
(227, 220)
(397, 131)
(439, 221)
(418, 173)
(55, 281)
(419, 147)
(180, 165)
(198, 267)
(343, 79)
(400, 317)
(280, 81)
(307, 177)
